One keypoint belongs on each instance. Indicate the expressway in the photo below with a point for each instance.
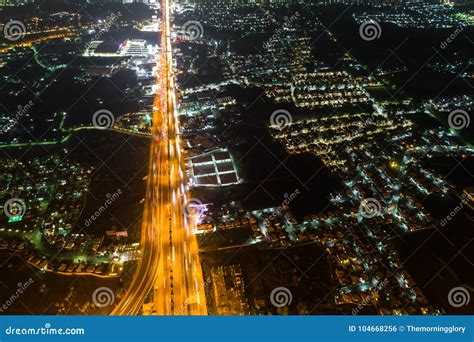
(169, 270)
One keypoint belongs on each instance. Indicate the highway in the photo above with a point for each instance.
(170, 269)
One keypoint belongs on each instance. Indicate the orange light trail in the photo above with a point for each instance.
(170, 267)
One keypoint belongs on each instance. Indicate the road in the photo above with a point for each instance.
(170, 269)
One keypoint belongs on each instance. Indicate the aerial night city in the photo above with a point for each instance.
(237, 158)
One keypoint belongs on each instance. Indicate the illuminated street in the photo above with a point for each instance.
(170, 266)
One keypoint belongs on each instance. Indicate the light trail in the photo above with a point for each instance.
(168, 239)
